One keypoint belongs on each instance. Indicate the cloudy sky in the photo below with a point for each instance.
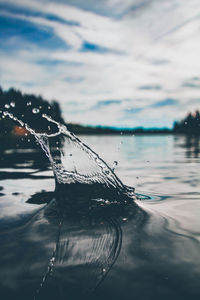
(124, 63)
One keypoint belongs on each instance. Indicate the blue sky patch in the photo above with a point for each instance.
(29, 13)
(103, 103)
(89, 47)
(28, 32)
(165, 102)
(192, 85)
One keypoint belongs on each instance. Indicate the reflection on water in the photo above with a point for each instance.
(192, 146)
(45, 254)
(148, 251)
(86, 249)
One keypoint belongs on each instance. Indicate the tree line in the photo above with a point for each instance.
(27, 108)
(190, 125)
(30, 109)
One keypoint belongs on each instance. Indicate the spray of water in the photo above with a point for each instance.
(82, 179)
(78, 170)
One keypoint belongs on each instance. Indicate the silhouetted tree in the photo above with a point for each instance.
(189, 125)
(28, 108)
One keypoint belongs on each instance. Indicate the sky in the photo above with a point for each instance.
(123, 63)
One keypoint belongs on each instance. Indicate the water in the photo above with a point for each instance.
(76, 243)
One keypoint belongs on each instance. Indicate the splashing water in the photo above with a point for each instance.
(68, 250)
(78, 170)
(84, 183)
(35, 110)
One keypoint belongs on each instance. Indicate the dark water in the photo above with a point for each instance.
(144, 249)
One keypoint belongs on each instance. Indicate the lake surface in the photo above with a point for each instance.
(148, 251)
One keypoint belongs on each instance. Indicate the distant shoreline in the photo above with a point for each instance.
(138, 134)
(87, 130)
(30, 109)
(125, 133)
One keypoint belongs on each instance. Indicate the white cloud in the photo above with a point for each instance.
(154, 44)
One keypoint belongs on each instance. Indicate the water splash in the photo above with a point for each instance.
(115, 163)
(12, 104)
(78, 170)
(87, 191)
(35, 110)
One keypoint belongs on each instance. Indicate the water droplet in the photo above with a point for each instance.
(28, 103)
(40, 107)
(35, 110)
(52, 261)
(49, 107)
(7, 106)
(26, 134)
(124, 219)
(104, 270)
(115, 163)
(12, 104)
